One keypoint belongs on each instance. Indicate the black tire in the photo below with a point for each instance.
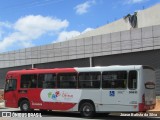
(42, 110)
(107, 114)
(25, 105)
(87, 110)
(103, 114)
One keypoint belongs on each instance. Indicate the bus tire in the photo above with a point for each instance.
(25, 105)
(87, 110)
(43, 110)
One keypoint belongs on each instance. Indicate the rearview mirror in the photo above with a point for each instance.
(10, 88)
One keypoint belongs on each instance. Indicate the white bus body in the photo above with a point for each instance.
(122, 100)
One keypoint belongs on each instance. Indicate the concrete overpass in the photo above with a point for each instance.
(116, 43)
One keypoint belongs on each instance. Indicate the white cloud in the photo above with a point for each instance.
(67, 35)
(29, 28)
(1, 33)
(83, 8)
(25, 30)
(5, 24)
(134, 1)
(38, 25)
(87, 30)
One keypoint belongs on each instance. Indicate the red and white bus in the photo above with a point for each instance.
(87, 90)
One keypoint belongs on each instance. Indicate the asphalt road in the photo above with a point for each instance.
(50, 115)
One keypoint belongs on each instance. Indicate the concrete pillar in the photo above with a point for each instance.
(32, 65)
(90, 62)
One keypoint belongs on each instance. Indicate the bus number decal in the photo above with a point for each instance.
(132, 92)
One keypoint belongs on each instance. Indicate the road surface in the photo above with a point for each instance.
(50, 115)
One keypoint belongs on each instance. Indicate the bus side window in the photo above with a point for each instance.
(67, 80)
(29, 81)
(40, 80)
(46, 80)
(89, 79)
(132, 79)
(114, 79)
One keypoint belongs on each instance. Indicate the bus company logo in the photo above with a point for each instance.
(53, 95)
(61, 95)
(66, 95)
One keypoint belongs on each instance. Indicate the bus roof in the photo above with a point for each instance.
(78, 69)
(110, 68)
(35, 70)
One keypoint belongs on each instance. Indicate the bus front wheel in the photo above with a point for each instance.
(87, 110)
(25, 105)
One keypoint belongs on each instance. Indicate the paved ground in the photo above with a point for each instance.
(70, 116)
(75, 116)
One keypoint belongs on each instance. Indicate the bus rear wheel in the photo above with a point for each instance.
(87, 110)
(25, 105)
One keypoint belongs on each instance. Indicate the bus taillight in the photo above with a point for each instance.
(143, 99)
(142, 105)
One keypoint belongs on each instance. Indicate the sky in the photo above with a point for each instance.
(28, 23)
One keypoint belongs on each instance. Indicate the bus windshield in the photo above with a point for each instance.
(10, 85)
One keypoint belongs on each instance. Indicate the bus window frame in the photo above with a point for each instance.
(29, 87)
(136, 81)
(114, 88)
(100, 81)
(65, 73)
(42, 85)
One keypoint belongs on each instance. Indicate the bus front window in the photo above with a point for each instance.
(10, 85)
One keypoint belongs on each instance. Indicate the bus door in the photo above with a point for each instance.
(46, 81)
(10, 92)
(114, 90)
(29, 90)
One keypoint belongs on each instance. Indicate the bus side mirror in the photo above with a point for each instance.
(10, 88)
